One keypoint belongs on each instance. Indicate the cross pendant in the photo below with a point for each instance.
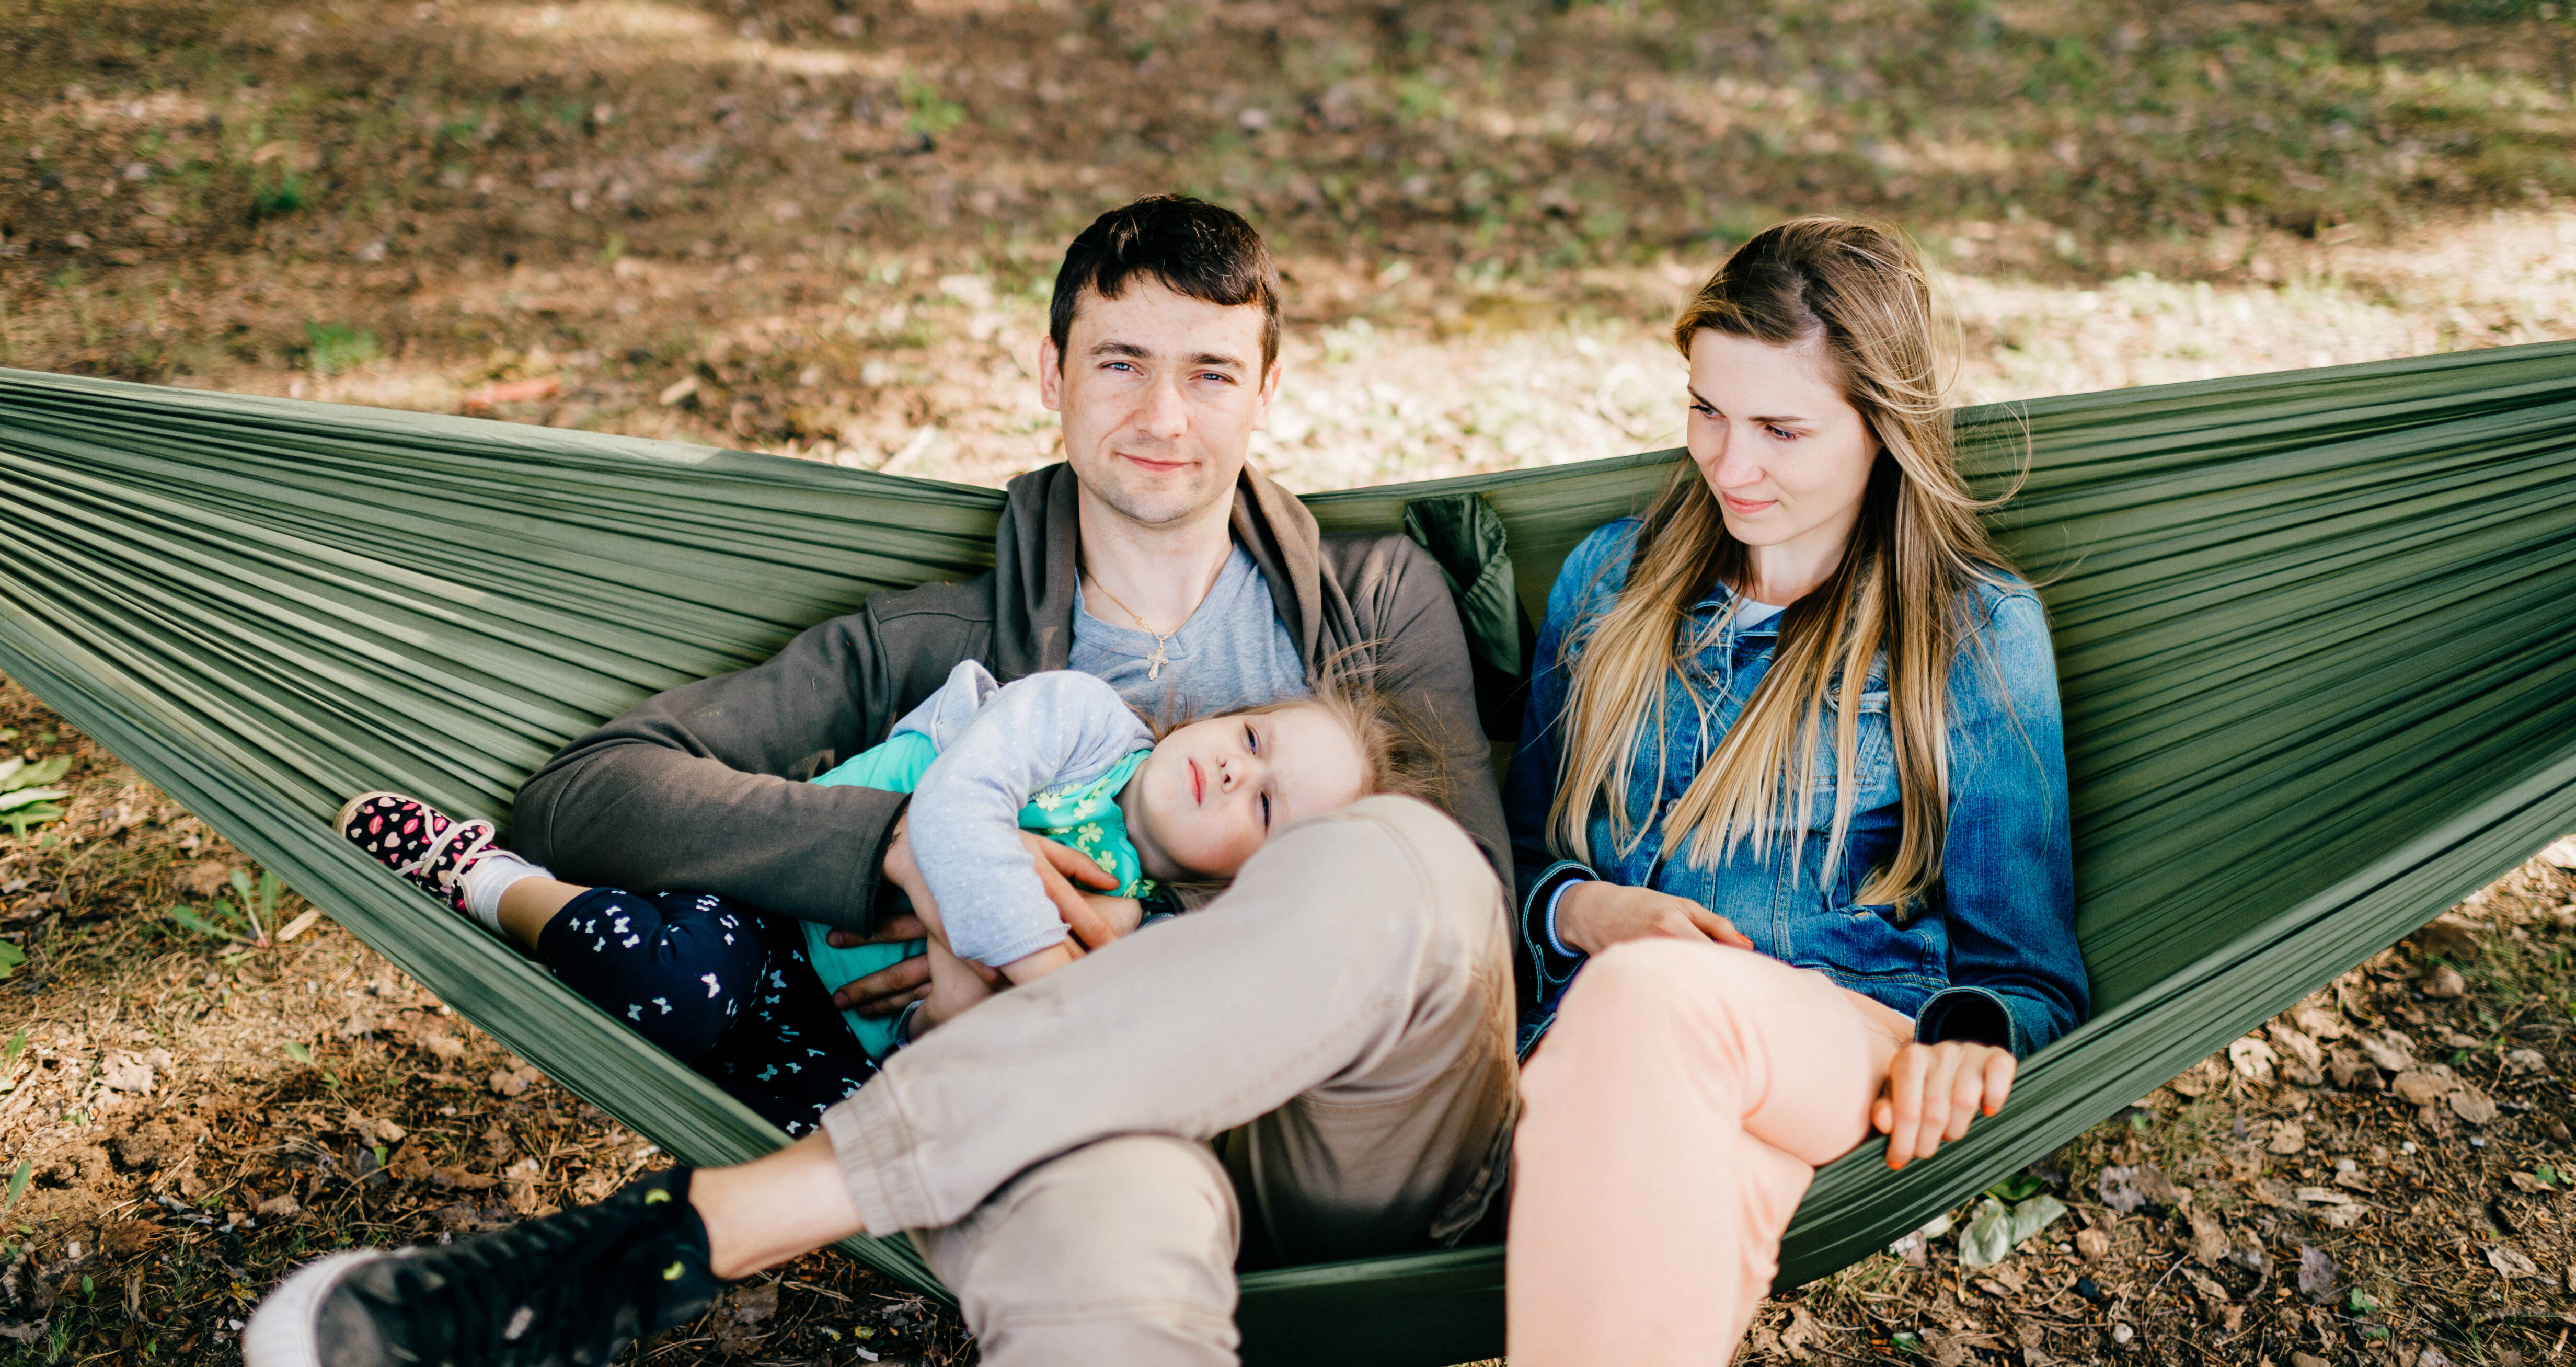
(1154, 663)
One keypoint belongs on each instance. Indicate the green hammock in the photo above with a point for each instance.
(2317, 633)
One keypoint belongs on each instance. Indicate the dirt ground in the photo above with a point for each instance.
(825, 228)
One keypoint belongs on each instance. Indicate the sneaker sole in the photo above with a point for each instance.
(282, 1332)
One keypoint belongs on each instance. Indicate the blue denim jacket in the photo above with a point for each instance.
(1990, 956)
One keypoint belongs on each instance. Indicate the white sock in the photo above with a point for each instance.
(491, 876)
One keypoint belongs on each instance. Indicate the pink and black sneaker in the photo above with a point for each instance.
(417, 841)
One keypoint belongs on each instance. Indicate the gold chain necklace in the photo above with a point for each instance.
(1153, 663)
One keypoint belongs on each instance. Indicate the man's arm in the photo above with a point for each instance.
(1402, 604)
(701, 787)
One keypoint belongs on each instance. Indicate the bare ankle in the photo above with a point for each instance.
(764, 1212)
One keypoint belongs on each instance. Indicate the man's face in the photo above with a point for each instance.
(1161, 394)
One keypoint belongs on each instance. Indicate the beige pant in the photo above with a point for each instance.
(1325, 1051)
(1675, 1115)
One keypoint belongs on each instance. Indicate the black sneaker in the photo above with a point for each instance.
(424, 845)
(570, 1290)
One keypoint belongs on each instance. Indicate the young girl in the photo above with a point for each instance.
(738, 995)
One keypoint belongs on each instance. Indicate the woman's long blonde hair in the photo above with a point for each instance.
(1901, 591)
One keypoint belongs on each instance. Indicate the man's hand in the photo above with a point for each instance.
(1934, 1090)
(894, 987)
(1592, 916)
(1059, 867)
(1094, 919)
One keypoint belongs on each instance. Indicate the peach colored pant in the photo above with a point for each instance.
(1671, 1121)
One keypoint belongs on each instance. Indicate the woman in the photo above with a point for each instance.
(1790, 816)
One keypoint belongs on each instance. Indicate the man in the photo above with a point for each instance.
(1325, 1047)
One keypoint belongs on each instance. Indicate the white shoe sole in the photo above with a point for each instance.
(350, 808)
(282, 1331)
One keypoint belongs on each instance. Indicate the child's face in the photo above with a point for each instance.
(1214, 790)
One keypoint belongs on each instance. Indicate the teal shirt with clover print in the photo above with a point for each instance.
(1050, 754)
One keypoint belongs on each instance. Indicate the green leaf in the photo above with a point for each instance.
(2360, 1302)
(2546, 1173)
(9, 767)
(2020, 1186)
(18, 1182)
(10, 957)
(28, 797)
(2034, 1215)
(188, 918)
(17, 1045)
(1906, 1341)
(1988, 1238)
(298, 1052)
(241, 885)
(25, 817)
(20, 774)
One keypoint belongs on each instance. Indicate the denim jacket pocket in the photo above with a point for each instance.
(1861, 942)
(1873, 760)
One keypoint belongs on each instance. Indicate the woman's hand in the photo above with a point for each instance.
(1592, 916)
(1934, 1090)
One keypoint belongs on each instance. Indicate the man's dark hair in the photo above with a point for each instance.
(1191, 246)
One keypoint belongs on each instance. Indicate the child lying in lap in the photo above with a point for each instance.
(743, 996)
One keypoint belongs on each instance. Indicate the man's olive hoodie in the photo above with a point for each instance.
(701, 787)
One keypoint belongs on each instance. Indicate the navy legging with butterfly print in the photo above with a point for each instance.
(720, 987)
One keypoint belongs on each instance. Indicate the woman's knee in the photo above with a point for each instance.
(1653, 985)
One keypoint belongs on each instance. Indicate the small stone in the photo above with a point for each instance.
(2445, 983)
(2523, 1062)
(283, 1207)
(2288, 1137)
(2093, 1244)
(2561, 853)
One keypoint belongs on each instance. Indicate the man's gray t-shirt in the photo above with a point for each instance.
(1233, 652)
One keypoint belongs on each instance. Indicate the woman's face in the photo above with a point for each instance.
(1786, 454)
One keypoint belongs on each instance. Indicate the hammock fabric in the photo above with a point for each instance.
(2317, 634)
